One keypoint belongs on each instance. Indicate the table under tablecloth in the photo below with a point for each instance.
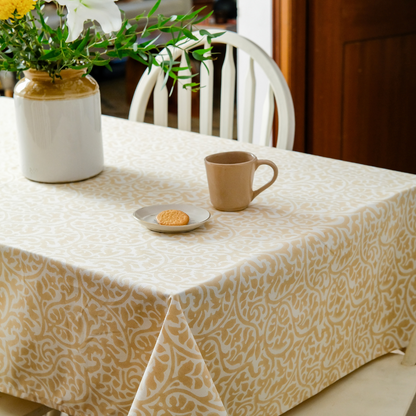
(248, 315)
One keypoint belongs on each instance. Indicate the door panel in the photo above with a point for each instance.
(360, 81)
(379, 102)
(366, 19)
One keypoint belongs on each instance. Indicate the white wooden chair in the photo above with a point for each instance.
(385, 386)
(278, 89)
(13, 406)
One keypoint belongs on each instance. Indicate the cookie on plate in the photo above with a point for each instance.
(172, 217)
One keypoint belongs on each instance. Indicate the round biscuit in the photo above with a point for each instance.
(172, 217)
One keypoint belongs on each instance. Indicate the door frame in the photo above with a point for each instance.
(289, 52)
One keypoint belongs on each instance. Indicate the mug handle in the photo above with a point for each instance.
(272, 181)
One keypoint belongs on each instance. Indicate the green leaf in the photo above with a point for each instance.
(188, 60)
(102, 63)
(191, 84)
(201, 52)
(123, 27)
(211, 36)
(202, 18)
(152, 42)
(132, 30)
(204, 32)
(190, 16)
(112, 54)
(79, 66)
(189, 34)
(197, 57)
(143, 56)
(82, 45)
(187, 76)
(154, 8)
(178, 68)
(137, 58)
(161, 21)
(5, 57)
(103, 44)
(52, 55)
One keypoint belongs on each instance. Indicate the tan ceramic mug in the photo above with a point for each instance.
(230, 179)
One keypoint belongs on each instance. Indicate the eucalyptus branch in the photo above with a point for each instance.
(29, 42)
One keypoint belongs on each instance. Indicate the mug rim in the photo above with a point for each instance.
(253, 157)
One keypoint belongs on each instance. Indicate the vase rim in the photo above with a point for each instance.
(38, 85)
(35, 74)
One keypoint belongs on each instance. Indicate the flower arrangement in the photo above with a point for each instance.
(90, 33)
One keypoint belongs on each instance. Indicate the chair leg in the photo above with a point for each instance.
(409, 358)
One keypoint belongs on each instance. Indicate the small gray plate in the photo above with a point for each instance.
(147, 217)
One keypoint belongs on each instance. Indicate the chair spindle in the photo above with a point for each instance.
(160, 101)
(184, 98)
(248, 111)
(206, 96)
(227, 94)
(267, 118)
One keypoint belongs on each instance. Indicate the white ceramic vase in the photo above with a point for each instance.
(59, 126)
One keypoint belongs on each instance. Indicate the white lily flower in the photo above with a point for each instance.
(105, 12)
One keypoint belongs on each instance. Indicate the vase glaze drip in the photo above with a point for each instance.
(59, 126)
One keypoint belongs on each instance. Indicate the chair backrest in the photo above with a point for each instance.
(278, 90)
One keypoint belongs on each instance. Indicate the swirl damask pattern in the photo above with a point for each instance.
(247, 316)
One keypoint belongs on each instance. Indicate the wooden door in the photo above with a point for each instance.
(359, 79)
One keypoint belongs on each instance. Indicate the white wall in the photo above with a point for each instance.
(254, 21)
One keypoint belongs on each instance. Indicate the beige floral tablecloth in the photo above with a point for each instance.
(248, 315)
